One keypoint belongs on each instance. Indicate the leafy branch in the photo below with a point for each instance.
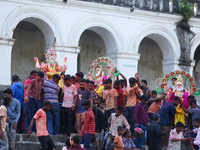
(185, 9)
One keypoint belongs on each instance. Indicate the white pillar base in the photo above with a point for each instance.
(5, 60)
(71, 53)
(170, 65)
(127, 63)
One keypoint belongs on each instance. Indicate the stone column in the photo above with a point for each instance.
(127, 63)
(5, 60)
(170, 65)
(71, 53)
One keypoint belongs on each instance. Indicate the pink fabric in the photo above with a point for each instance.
(26, 83)
(103, 79)
(41, 126)
(185, 101)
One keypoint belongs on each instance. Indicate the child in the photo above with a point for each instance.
(3, 116)
(141, 118)
(176, 137)
(127, 141)
(67, 144)
(41, 127)
(118, 143)
(116, 120)
(155, 134)
(88, 125)
(120, 92)
(110, 95)
(100, 120)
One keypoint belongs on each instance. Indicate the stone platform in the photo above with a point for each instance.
(23, 143)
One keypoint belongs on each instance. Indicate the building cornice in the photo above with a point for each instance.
(8, 42)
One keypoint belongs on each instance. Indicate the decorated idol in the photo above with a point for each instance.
(51, 66)
(183, 94)
(96, 73)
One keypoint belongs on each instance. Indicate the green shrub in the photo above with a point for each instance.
(185, 9)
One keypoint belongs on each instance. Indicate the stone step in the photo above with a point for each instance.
(23, 143)
(33, 138)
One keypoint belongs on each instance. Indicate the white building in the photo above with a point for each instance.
(143, 41)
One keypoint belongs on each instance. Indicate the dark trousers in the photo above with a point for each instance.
(67, 120)
(108, 113)
(19, 123)
(46, 142)
(33, 106)
(129, 115)
(155, 147)
(26, 116)
(86, 140)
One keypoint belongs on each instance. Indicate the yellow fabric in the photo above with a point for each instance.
(180, 115)
(50, 75)
(100, 91)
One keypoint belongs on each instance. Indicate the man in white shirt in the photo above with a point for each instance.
(69, 98)
(176, 137)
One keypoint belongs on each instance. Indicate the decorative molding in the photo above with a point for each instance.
(24, 12)
(167, 62)
(68, 49)
(124, 55)
(8, 42)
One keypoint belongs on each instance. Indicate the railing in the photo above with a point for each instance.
(170, 6)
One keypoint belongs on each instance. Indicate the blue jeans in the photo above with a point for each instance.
(139, 142)
(110, 142)
(26, 116)
(33, 106)
(4, 142)
(129, 115)
(53, 119)
(86, 140)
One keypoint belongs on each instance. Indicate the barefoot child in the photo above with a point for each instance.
(118, 143)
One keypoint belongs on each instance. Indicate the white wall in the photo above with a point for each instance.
(121, 30)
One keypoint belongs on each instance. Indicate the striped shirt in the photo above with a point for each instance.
(51, 91)
(88, 123)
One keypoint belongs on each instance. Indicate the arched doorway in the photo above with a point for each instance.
(150, 63)
(196, 70)
(42, 18)
(29, 43)
(92, 47)
(32, 37)
(95, 42)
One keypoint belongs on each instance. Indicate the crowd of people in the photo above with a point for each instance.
(112, 118)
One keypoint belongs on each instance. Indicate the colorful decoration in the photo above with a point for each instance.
(96, 73)
(183, 74)
(51, 67)
(103, 60)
